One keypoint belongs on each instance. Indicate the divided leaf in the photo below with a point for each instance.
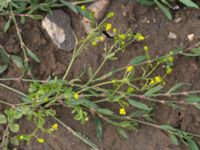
(122, 132)
(176, 87)
(105, 111)
(14, 127)
(137, 60)
(14, 141)
(3, 119)
(153, 90)
(189, 3)
(138, 105)
(86, 140)
(69, 5)
(3, 68)
(145, 2)
(164, 9)
(196, 50)
(89, 15)
(192, 144)
(167, 127)
(99, 127)
(7, 26)
(192, 99)
(32, 55)
(36, 17)
(173, 139)
(4, 55)
(18, 61)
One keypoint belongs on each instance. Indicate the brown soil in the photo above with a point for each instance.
(147, 20)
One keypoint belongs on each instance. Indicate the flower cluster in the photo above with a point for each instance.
(139, 37)
(156, 80)
(122, 111)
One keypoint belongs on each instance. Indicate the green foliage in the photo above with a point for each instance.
(133, 94)
(99, 127)
(31, 9)
(166, 5)
(176, 134)
(139, 105)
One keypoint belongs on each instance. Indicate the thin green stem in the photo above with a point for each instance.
(6, 103)
(19, 34)
(14, 90)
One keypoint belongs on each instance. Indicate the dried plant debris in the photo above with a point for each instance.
(58, 27)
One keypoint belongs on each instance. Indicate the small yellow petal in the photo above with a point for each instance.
(146, 48)
(94, 43)
(122, 36)
(114, 81)
(129, 68)
(54, 126)
(110, 14)
(158, 79)
(83, 7)
(115, 30)
(40, 140)
(130, 90)
(122, 111)
(169, 70)
(108, 26)
(171, 59)
(139, 37)
(21, 137)
(76, 96)
(152, 82)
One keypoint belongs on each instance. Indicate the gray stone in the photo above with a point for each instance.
(58, 27)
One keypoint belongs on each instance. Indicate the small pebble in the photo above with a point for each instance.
(172, 36)
(190, 37)
(177, 20)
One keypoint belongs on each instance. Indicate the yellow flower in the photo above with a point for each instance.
(122, 111)
(169, 70)
(94, 43)
(83, 7)
(46, 99)
(40, 140)
(115, 30)
(152, 82)
(108, 26)
(122, 36)
(54, 126)
(114, 81)
(130, 90)
(76, 96)
(139, 37)
(110, 14)
(129, 68)
(21, 137)
(171, 59)
(158, 79)
(146, 48)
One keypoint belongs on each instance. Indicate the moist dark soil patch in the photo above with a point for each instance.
(149, 21)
